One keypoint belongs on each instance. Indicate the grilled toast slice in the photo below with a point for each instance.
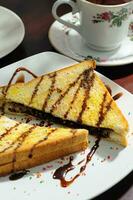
(76, 94)
(24, 145)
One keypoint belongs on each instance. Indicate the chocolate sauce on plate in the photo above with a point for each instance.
(17, 175)
(117, 96)
(61, 172)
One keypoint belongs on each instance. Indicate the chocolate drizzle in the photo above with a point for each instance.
(14, 74)
(17, 175)
(103, 113)
(85, 75)
(5, 89)
(65, 93)
(87, 84)
(35, 90)
(8, 131)
(20, 79)
(117, 96)
(40, 141)
(72, 102)
(103, 132)
(21, 140)
(53, 76)
(61, 172)
(109, 89)
(108, 106)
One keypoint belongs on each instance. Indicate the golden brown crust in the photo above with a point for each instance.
(114, 119)
(41, 158)
(19, 141)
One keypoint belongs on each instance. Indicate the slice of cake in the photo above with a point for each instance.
(74, 94)
(23, 146)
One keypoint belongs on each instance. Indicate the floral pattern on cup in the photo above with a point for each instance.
(130, 34)
(75, 20)
(114, 18)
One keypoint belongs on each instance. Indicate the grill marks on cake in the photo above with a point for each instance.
(40, 141)
(103, 113)
(51, 89)
(35, 90)
(87, 83)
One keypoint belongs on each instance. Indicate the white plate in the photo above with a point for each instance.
(100, 174)
(11, 31)
(70, 43)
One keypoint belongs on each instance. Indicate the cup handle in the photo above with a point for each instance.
(74, 10)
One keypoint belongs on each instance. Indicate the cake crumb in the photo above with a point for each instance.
(38, 175)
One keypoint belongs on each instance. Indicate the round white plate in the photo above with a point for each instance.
(110, 164)
(70, 43)
(11, 31)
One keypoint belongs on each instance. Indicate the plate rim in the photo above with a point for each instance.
(22, 33)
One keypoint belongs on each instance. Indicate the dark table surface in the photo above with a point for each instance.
(37, 19)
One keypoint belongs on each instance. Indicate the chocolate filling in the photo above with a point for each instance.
(15, 107)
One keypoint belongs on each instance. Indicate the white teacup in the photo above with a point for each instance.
(103, 27)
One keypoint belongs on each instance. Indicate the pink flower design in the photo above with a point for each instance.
(114, 18)
(131, 26)
(130, 33)
(106, 16)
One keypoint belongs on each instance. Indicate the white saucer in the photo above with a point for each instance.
(70, 43)
(11, 31)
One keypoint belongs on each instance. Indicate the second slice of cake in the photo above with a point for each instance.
(23, 146)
